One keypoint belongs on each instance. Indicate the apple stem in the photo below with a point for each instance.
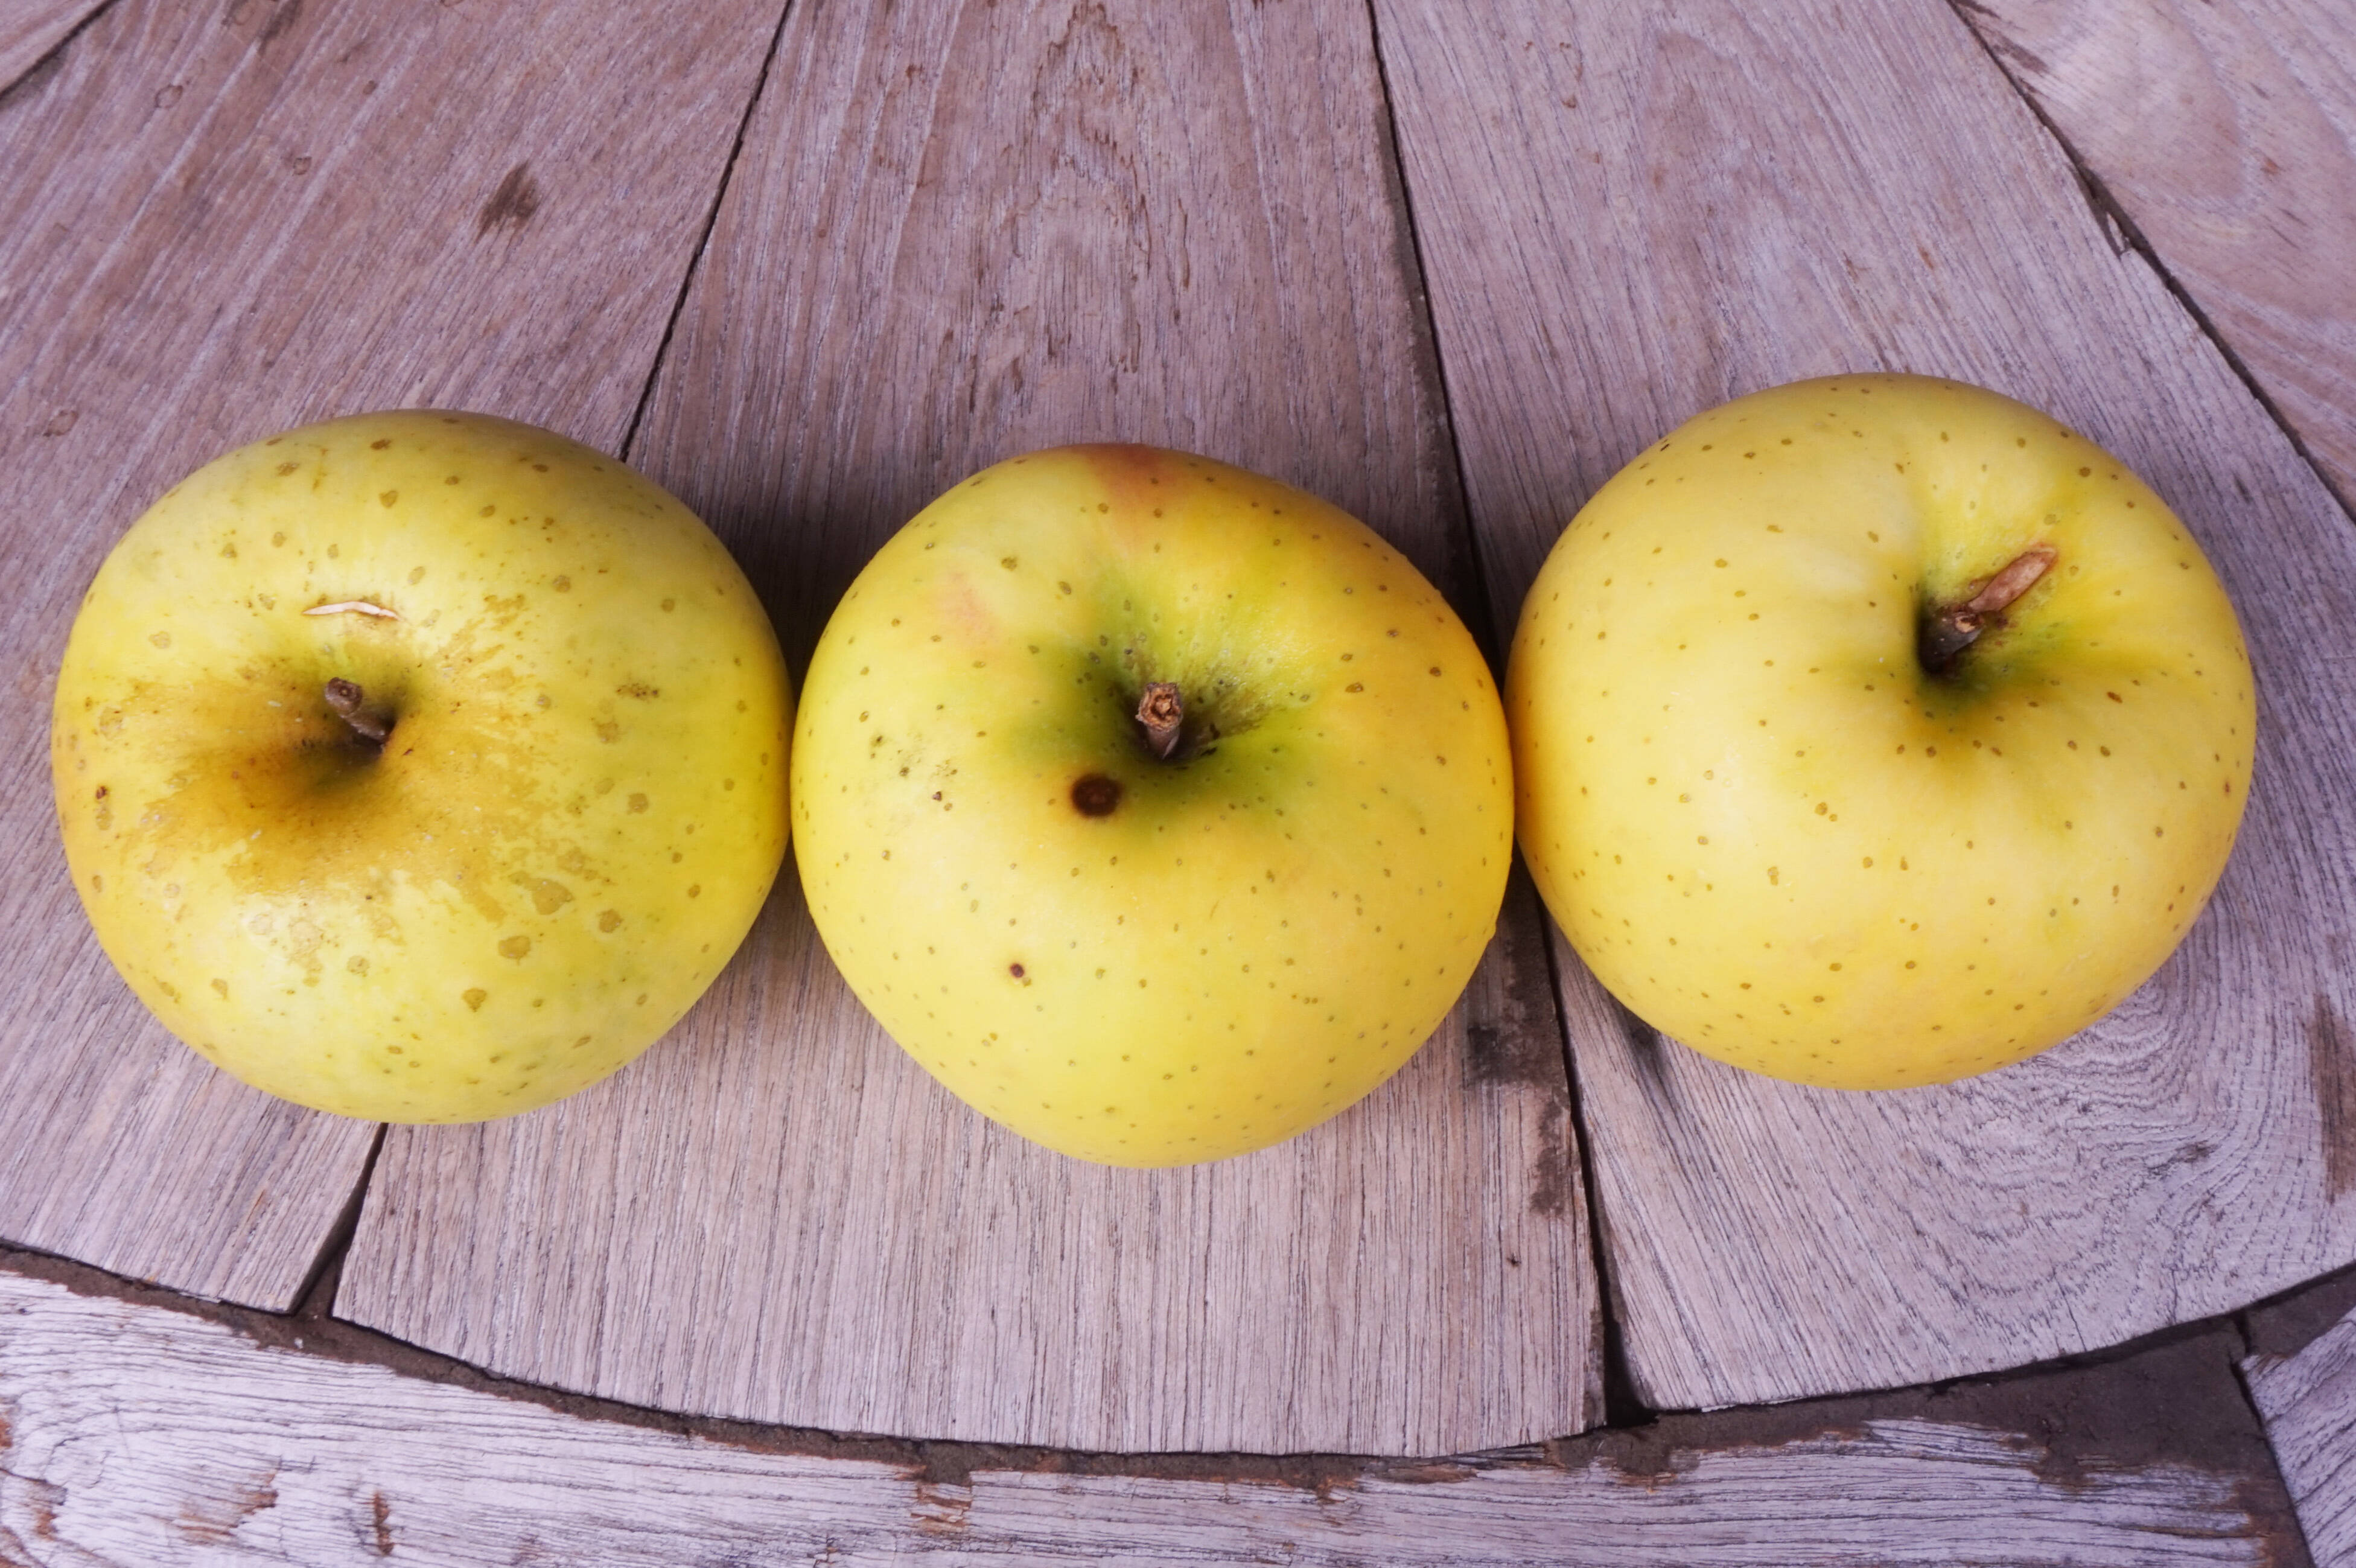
(1162, 713)
(344, 697)
(1957, 628)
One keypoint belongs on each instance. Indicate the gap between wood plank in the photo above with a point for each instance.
(703, 240)
(2092, 1414)
(316, 1298)
(1622, 1407)
(2113, 216)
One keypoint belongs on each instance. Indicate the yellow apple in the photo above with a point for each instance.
(1876, 731)
(1152, 941)
(573, 812)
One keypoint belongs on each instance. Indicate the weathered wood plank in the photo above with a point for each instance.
(31, 28)
(2309, 1403)
(958, 233)
(136, 1435)
(1630, 214)
(2227, 135)
(218, 224)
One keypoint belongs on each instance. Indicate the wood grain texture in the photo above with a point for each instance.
(215, 224)
(1632, 214)
(31, 28)
(2226, 133)
(2309, 1403)
(136, 1437)
(958, 233)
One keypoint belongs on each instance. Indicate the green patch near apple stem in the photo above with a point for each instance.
(1947, 632)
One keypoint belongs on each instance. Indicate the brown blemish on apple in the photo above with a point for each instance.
(1096, 795)
(301, 802)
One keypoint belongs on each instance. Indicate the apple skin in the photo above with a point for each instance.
(1773, 835)
(575, 816)
(1248, 940)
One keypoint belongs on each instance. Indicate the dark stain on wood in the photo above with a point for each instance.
(1550, 1187)
(1423, 1473)
(46, 1498)
(2333, 1074)
(513, 205)
(1990, 27)
(1645, 1048)
(951, 1466)
(1513, 1038)
(2288, 1323)
(380, 1515)
(2170, 1399)
(280, 19)
(30, 85)
(943, 1507)
(202, 1520)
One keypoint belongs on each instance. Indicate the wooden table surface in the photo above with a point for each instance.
(1448, 265)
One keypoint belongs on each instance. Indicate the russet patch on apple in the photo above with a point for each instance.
(421, 766)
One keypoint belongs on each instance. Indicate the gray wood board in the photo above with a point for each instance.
(141, 1436)
(1629, 215)
(2309, 1403)
(215, 225)
(2226, 133)
(958, 233)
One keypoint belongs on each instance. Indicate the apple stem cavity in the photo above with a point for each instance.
(346, 697)
(1162, 712)
(1949, 631)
